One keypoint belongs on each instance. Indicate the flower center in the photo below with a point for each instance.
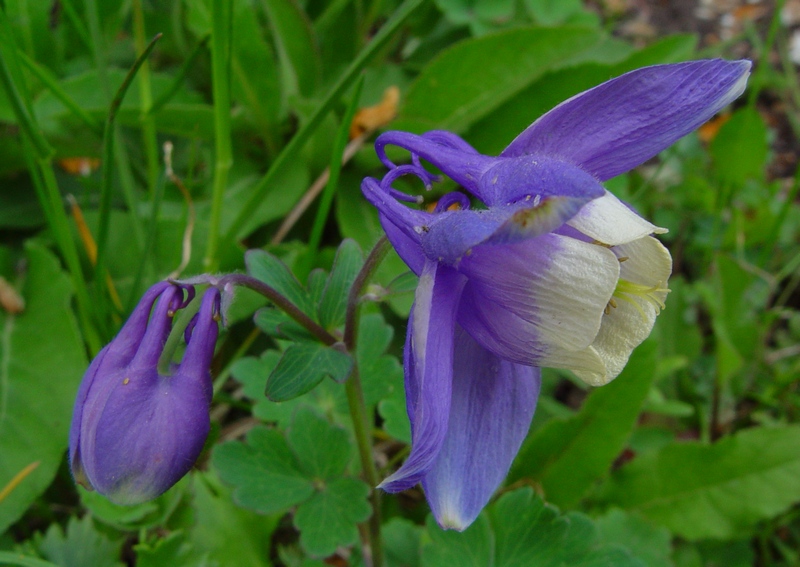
(633, 292)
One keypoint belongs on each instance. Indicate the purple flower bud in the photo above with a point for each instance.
(135, 431)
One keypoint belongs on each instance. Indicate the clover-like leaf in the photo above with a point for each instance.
(264, 473)
(521, 530)
(328, 520)
(303, 366)
(321, 448)
(333, 305)
(273, 272)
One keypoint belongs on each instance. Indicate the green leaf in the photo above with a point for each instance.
(328, 520)
(740, 147)
(226, 533)
(81, 545)
(303, 366)
(713, 491)
(651, 544)
(401, 542)
(129, 518)
(270, 270)
(297, 49)
(9, 558)
(520, 530)
(321, 449)
(264, 473)
(257, 92)
(450, 94)
(348, 262)
(552, 12)
(381, 373)
(568, 456)
(40, 352)
(171, 551)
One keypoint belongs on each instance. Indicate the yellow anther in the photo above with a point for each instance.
(627, 291)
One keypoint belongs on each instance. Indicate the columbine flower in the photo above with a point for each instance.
(135, 431)
(554, 272)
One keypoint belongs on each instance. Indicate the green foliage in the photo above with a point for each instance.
(305, 468)
(688, 458)
(566, 457)
(447, 95)
(42, 360)
(520, 530)
(713, 491)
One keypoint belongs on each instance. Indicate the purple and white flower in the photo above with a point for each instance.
(554, 271)
(135, 430)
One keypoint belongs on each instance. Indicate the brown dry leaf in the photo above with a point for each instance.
(83, 166)
(749, 12)
(708, 131)
(373, 117)
(10, 299)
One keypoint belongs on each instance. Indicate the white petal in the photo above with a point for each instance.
(610, 221)
(529, 299)
(628, 324)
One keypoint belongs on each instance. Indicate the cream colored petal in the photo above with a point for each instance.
(648, 262)
(610, 221)
(530, 299)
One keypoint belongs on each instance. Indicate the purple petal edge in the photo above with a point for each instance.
(623, 122)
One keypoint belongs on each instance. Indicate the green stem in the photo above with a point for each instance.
(146, 99)
(109, 138)
(355, 398)
(297, 142)
(335, 168)
(280, 301)
(220, 65)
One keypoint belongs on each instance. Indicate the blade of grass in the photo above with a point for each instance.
(147, 119)
(155, 208)
(177, 82)
(41, 169)
(297, 142)
(109, 138)
(222, 16)
(77, 24)
(333, 179)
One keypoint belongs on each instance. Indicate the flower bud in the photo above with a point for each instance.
(135, 431)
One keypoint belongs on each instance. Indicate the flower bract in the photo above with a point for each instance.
(537, 264)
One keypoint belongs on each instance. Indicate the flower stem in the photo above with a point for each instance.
(355, 400)
(280, 301)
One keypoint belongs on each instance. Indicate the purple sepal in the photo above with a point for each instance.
(429, 370)
(135, 431)
(623, 122)
(491, 409)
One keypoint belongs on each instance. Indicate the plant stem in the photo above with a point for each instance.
(220, 65)
(356, 403)
(146, 99)
(279, 300)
